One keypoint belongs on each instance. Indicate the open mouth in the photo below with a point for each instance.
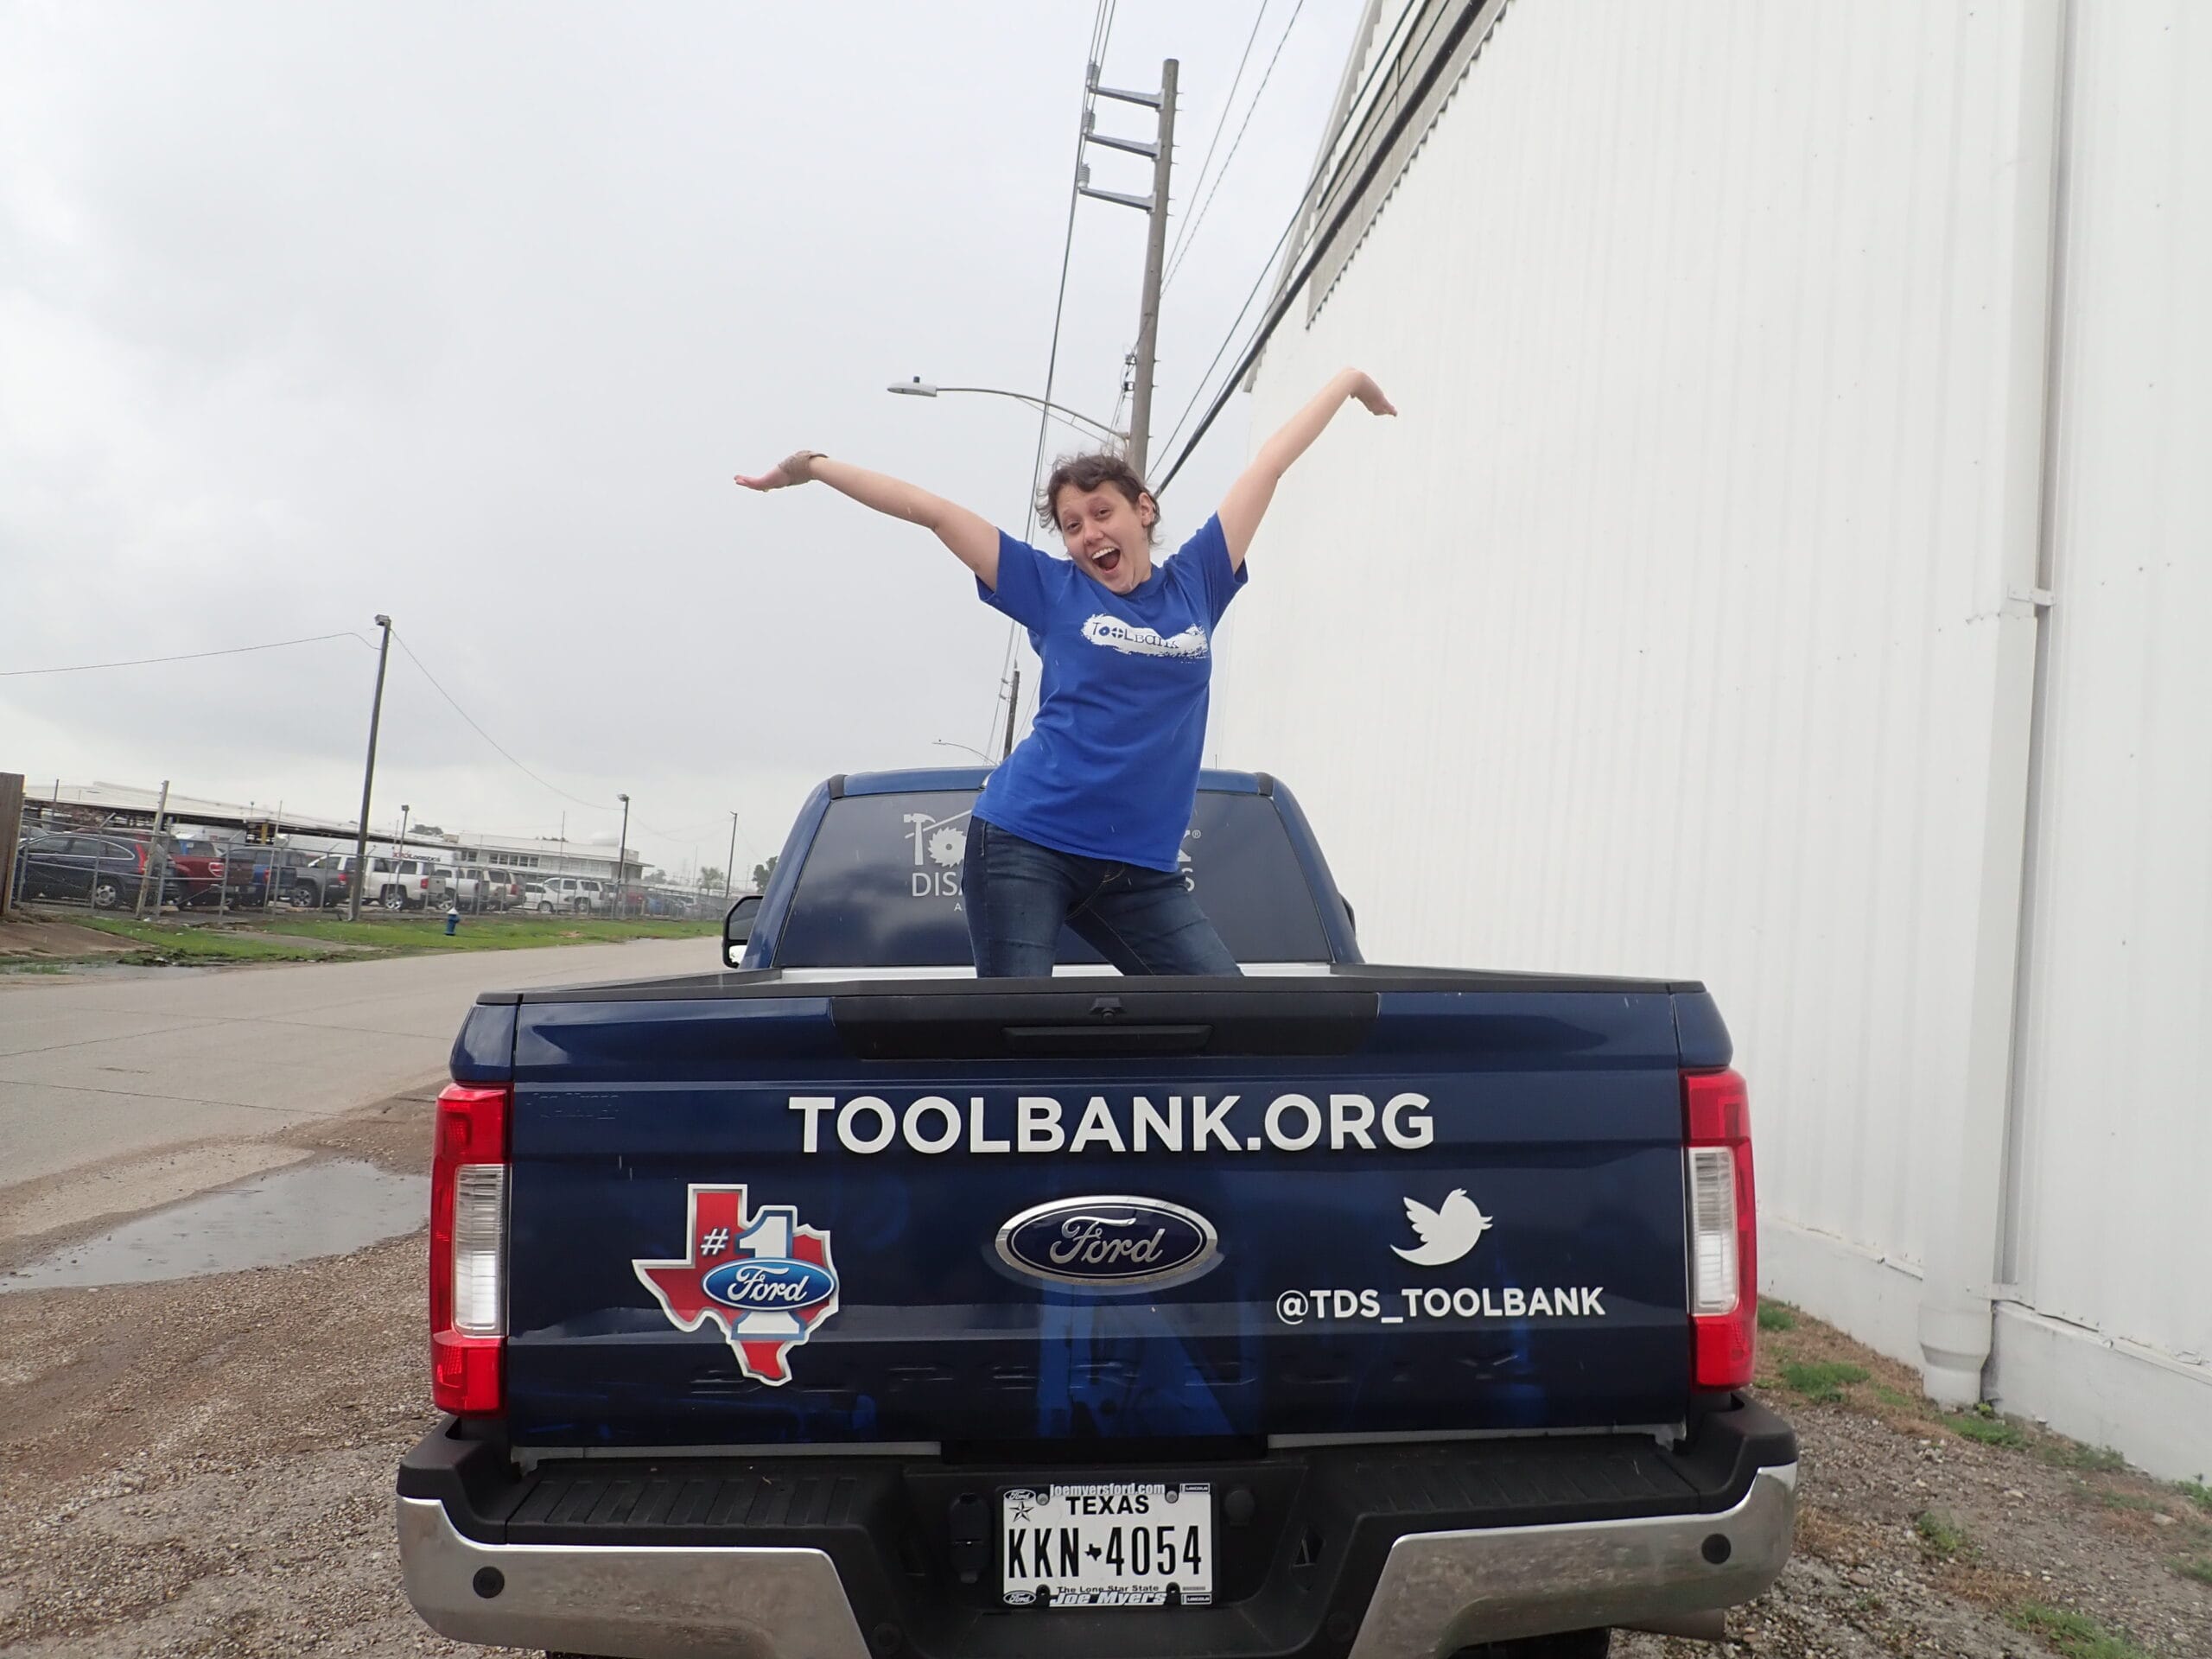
(1106, 561)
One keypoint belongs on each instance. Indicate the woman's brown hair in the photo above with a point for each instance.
(1091, 472)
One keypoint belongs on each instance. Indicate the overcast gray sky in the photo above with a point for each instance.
(468, 313)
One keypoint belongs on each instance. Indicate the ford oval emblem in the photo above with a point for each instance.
(1108, 1243)
(770, 1284)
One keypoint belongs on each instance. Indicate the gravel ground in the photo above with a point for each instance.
(204, 1468)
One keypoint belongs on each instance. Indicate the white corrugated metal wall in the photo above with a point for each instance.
(1682, 622)
(2107, 1234)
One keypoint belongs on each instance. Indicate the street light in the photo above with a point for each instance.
(621, 847)
(918, 387)
(400, 846)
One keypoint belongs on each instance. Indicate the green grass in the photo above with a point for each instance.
(2196, 1492)
(2128, 1501)
(1940, 1533)
(1776, 1316)
(301, 939)
(2072, 1634)
(1820, 1381)
(1893, 1400)
(2199, 1567)
(1988, 1430)
(488, 933)
(2072, 1454)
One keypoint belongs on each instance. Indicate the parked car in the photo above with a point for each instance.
(598, 895)
(507, 889)
(198, 869)
(103, 869)
(250, 872)
(476, 888)
(322, 882)
(398, 883)
(566, 895)
(1340, 1308)
(536, 897)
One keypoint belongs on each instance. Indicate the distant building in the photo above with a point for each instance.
(92, 804)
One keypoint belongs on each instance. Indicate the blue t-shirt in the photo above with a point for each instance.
(1110, 769)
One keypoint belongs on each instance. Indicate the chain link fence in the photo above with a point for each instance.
(71, 856)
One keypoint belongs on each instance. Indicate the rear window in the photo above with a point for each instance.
(881, 884)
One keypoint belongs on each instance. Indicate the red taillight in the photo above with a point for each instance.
(1723, 1215)
(214, 867)
(468, 1175)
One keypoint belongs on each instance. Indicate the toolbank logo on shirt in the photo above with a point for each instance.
(1135, 640)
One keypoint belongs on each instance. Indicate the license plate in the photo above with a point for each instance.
(1114, 1544)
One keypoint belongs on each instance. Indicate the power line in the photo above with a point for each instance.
(1102, 31)
(1411, 102)
(185, 657)
(1227, 102)
(1258, 92)
(597, 806)
(1387, 55)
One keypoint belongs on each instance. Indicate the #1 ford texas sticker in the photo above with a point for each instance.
(764, 1280)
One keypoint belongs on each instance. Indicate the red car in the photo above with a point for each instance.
(196, 872)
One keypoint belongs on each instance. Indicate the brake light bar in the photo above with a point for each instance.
(468, 1241)
(1723, 1213)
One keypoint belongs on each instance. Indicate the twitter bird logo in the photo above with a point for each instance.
(1447, 1232)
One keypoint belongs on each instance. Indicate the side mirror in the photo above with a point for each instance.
(737, 928)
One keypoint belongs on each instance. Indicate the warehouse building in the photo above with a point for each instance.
(1786, 572)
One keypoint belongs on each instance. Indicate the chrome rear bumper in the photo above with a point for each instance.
(1439, 1590)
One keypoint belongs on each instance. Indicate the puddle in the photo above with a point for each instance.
(288, 1215)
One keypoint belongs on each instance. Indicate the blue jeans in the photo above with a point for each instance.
(1018, 896)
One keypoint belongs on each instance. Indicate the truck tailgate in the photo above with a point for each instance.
(888, 1213)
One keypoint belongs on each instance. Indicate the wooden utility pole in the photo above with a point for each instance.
(11, 825)
(153, 855)
(368, 781)
(1161, 152)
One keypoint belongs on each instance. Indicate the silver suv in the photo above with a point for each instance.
(398, 883)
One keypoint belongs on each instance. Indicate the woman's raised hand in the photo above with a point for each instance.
(1370, 395)
(794, 469)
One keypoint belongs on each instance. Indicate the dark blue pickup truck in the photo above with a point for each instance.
(837, 1305)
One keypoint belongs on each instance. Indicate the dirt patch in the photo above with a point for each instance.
(394, 1134)
(206, 1468)
(1923, 1531)
(24, 939)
